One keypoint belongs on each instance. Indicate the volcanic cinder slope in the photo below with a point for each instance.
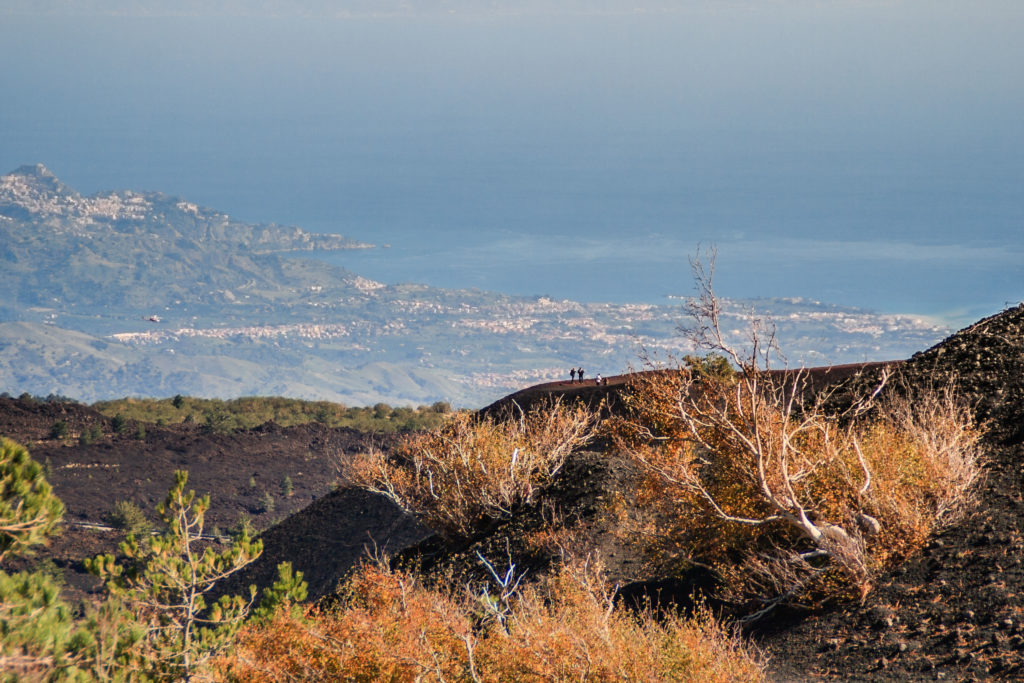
(954, 612)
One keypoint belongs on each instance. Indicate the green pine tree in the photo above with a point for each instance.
(37, 631)
(37, 626)
(289, 590)
(165, 580)
(29, 512)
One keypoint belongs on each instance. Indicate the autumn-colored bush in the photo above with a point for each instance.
(392, 627)
(475, 469)
(784, 502)
(751, 475)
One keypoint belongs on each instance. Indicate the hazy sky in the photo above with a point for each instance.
(808, 126)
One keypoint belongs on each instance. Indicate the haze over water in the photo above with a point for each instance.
(859, 153)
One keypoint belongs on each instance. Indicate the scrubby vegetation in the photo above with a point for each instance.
(474, 469)
(30, 398)
(129, 518)
(59, 430)
(220, 416)
(90, 434)
(789, 504)
(154, 623)
(392, 627)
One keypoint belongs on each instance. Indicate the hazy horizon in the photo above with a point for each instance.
(863, 154)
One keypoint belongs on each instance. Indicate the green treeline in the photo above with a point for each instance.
(251, 411)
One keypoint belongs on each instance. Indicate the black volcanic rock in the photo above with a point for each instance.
(325, 540)
(987, 362)
(984, 361)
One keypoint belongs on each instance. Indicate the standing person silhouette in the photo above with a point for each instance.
(572, 374)
(580, 373)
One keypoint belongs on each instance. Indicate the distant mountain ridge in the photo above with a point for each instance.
(140, 293)
(134, 249)
(34, 193)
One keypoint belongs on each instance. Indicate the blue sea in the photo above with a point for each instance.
(863, 154)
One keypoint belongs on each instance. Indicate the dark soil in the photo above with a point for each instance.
(608, 394)
(327, 539)
(244, 472)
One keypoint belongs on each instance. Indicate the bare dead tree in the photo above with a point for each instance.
(766, 416)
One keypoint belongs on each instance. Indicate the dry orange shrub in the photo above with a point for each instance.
(390, 629)
(568, 629)
(471, 470)
(393, 628)
(783, 499)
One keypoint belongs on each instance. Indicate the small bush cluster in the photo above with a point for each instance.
(90, 434)
(216, 420)
(808, 505)
(59, 430)
(390, 626)
(472, 470)
(119, 423)
(129, 518)
(265, 503)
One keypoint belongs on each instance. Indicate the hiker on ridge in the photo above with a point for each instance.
(580, 373)
(572, 373)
